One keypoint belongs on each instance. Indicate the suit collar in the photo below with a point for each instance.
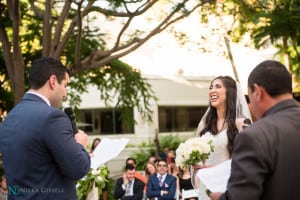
(32, 96)
(36, 96)
(280, 106)
(163, 176)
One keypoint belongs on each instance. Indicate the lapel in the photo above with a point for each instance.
(135, 184)
(165, 182)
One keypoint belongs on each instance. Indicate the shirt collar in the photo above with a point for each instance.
(41, 96)
(163, 176)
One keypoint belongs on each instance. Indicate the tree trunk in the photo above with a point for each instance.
(13, 55)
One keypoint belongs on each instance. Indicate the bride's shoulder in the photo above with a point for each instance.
(242, 123)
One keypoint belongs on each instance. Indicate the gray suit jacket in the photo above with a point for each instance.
(265, 160)
(41, 158)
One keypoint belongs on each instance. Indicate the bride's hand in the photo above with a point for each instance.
(206, 165)
(197, 166)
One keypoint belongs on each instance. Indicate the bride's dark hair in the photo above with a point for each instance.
(230, 114)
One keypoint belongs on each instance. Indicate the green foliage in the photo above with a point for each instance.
(7, 99)
(170, 141)
(117, 82)
(110, 188)
(97, 177)
(268, 22)
(142, 156)
(145, 151)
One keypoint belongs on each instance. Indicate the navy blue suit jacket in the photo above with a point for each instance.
(154, 190)
(41, 158)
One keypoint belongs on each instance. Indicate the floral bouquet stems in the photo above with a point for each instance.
(95, 178)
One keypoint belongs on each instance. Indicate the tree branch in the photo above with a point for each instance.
(46, 38)
(37, 12)
(59, 26)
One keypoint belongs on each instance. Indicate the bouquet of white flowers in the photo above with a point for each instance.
(94, 180)
(192, 151)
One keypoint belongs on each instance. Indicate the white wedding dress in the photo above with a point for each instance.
(219, 155)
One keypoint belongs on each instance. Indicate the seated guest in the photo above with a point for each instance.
(185, 181)
(128, 187)
(161, 185)
(138, 175)
(150, 169)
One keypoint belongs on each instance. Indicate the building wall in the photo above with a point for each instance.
(170, 91)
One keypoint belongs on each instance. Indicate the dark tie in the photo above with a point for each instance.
(160, 181)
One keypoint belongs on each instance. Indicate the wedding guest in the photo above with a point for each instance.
(95, 143)
(128, 187)
(185, 181)
(3, 189)
(172, 167)
(171, 156)
(150, 168)
(152, 159)
(174, 170)
(164, 154)
(225, 117)
(161, 185)
(138, 175)
(39, 147)
(264, 159)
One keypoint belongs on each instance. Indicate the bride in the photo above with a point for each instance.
(226, 116)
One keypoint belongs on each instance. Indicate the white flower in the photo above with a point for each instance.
(94, 172)
(193, 151)
(99, 178)
(94, 177)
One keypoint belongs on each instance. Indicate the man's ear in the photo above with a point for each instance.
(52, 82)
(258, 92)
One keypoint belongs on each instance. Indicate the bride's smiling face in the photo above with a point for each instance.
(217, 94)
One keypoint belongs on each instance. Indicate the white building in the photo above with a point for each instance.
(181, 102)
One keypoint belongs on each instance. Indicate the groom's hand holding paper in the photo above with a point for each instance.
(215, 178)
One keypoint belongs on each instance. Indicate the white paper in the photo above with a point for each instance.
(107, 150)
(215, 178)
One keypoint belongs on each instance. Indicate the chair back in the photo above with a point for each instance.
(185, 194)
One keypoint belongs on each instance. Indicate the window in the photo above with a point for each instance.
(179, 118)
(104, 121)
